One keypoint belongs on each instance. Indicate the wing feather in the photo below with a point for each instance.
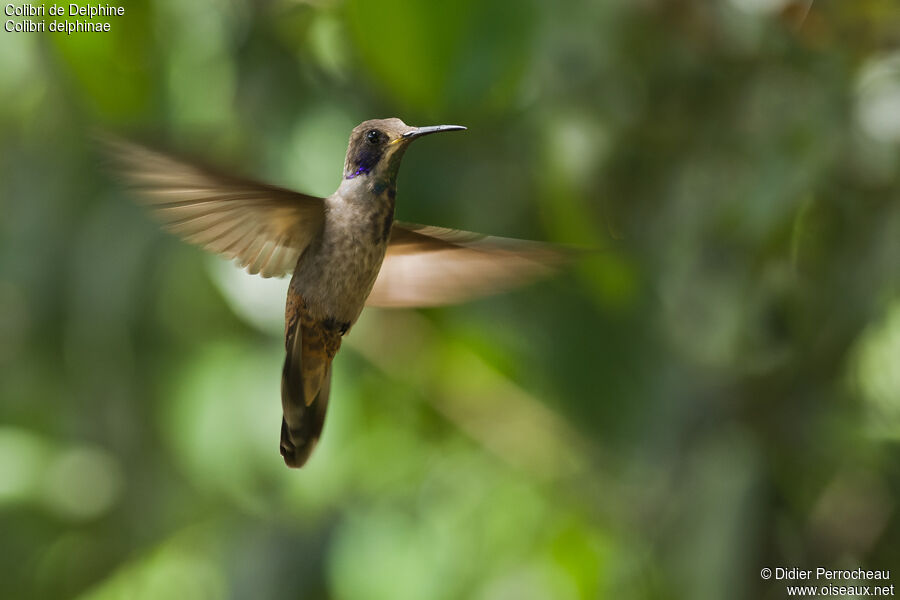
(432, 266)
(262, 227)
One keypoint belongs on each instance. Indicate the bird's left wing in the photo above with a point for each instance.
(264, 228)
(432, 266)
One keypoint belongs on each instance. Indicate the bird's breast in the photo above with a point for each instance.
(337, 271)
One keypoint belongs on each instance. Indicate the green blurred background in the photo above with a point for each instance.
(718, 391)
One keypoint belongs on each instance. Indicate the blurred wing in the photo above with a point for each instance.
(431, 266)
(264, 228)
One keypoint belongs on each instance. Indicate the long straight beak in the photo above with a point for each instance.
(420, 131)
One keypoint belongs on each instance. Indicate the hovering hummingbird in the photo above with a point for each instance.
(344, 251)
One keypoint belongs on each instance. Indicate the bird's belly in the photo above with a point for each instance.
(336, 279)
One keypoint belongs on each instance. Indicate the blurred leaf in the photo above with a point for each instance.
(439, 57)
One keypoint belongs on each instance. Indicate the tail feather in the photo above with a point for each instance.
(298, 442)
(305, 386)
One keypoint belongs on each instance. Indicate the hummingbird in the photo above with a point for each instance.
(344, 252)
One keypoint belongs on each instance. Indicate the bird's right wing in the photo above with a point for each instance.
(432, 266)
(263, 227)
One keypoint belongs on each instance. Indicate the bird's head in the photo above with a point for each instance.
(377, 146)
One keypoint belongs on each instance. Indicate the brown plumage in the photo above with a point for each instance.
(345, 251)
(310, 346)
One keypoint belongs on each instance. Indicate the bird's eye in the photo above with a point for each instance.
(373, 136)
